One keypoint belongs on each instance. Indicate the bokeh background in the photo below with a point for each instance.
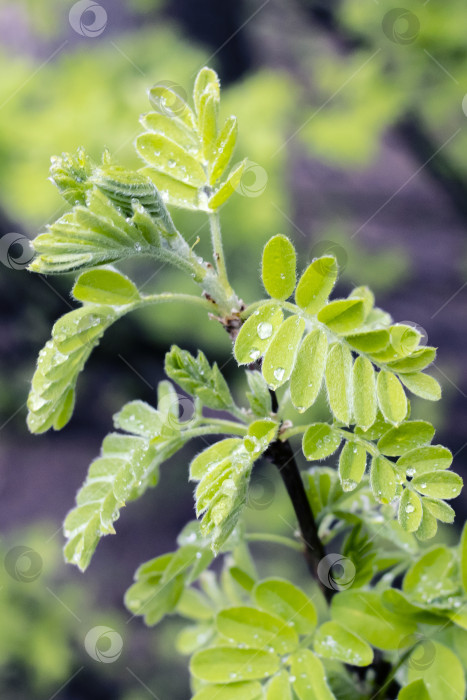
(353, 115)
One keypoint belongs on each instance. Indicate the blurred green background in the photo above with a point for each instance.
(353, 117)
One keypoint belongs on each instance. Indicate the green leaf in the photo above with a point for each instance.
(198, 378)
(148, 598)
(339, 381)
(74, 336)
(260, 433)
(228, 186)
(278, 267)
(168, 158)
(279, 687)
(425, 459)
(439, 509)
(352, 463)
(410, 511)
(320, 441)
(139, 418)
(334, 641)
(257, 333)
(224, 149)
(417, 361)
(235, 691)
(229, 665)
(414, 691)
(391, 397)
(258, 397)
(428, 526)
(406, 437)
(215, 453)
(254, 628)
(444, 677)
(343, 315)
(309, 678)
(364, 613)
(279, 358)
(105, 287)
(370, 341)
(364, 393)
(191, 638)
(280, 597)
(444, 485)
(431, 576)
(422, 385)
(206, 83)
(316, 284)
(307, 375)
(195, 605)
(383, 479)
(169, 102)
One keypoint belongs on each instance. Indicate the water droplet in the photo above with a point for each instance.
(137, 247)
(264, 330)
(254, 354)
(409, 509)
(410, 471)
(279, 373)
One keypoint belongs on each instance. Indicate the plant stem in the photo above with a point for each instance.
(218, 250)
(170, 296)
(274, 539)
(282, 456)
(229, 425)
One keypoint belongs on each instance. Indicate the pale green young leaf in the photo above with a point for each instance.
(406, 437)
(258, 397)
(193, 637)
(338, 376)
(383, 479)
(229, 664)
(282, 598)
(343, 315)
(431, 576)
(308, 372)
(422, 385)
(259, 434)
(257, 332)
(316, 284)
(198, 378)
(308, 676)
(319, 441)
(364, 393)
(207, 125)
(227, 186)
(425, 459)
(443, 484)
(105, 287)
(279, 687)
(247, 690)
(410, 511)
(444, 677)
(439, 509)
(391, 397)
(279, 358)
(257, 629)
(417, 361)
(194, 605)
(224, 149)
(139, 418)
(366, 295)
(175, 130)
(206, 83)
(364, 613)
(416, 690)
(213, 454)
(168, 158)
(428, 526)
(169, 102)
(369, 341)
(175, 192)
(352, 463)
(278, 267)
(60, 361)
(334, 641)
